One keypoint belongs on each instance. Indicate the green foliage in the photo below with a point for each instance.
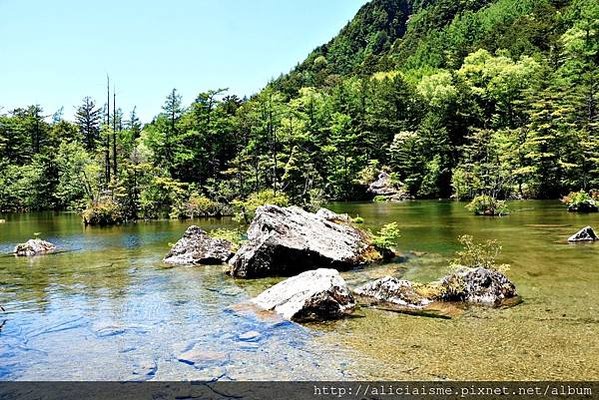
(236, 237)
(358, 220)
(582, 201)
(488, 206)
(478, 255)
(387, 236)
(455, 98)
(105, 212)
(245, 210)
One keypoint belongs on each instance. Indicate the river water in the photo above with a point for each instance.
(107, 308)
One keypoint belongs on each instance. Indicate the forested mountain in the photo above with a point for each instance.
(451, 97)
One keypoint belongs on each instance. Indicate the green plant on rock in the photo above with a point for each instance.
(105, 212)
(478, 255)
(387, 236)
(236, 237)
(488, 206)
(582, 201)
(245, 210)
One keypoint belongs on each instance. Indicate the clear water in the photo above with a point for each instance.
(108, 309)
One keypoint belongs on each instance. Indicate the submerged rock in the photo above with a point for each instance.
(469, 285)
(384, 187)
(287, 241)
(311, 296)
(395, 291)
(197, 248)
(477, 285)
(584, 235)
(34, 247)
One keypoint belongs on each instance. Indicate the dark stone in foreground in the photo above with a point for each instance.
(311, 296)
(469, 285)
(288, 241)
(197, 248)
(584, 235)
(34, 247)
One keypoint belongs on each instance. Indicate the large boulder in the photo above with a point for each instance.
(584, 235)
(34, 247)
(384, 187)
(197, 248)
(288, 241)
(477, 285)
(469, 285)
(311, 296)
(396, 291)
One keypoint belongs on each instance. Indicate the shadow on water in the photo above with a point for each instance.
(108, 300)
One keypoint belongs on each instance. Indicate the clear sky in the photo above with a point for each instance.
(54, 53)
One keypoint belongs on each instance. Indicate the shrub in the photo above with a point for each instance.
(488, 205)
(387, 237)
(358, 220)
(582, 201)
(246, 210)
(234, 236)
(478, 255)
(198, 206)
(105, 212)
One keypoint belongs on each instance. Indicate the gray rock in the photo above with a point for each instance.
(331, 216)
(469, 285)
(395, 291)
(385, 187)
(288, 241)
(477, 285)
(34, 247)
(197, 248)
(311, 296)
(584, 235)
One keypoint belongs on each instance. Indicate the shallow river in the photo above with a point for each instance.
(107, 308)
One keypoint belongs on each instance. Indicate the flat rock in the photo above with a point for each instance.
(34, 247)
(200, 356)
(288, 241)
(311, 296)
(584, 235)
(197, 248)
(395, 291)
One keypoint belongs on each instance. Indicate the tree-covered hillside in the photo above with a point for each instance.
(451, 97)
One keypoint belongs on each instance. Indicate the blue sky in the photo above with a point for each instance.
(56, 52)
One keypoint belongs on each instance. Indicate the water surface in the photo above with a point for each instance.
(108, 309)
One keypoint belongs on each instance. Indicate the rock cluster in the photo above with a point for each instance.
(469, 285)
(197, 248)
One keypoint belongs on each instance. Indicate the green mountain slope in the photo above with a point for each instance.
(404, 34)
